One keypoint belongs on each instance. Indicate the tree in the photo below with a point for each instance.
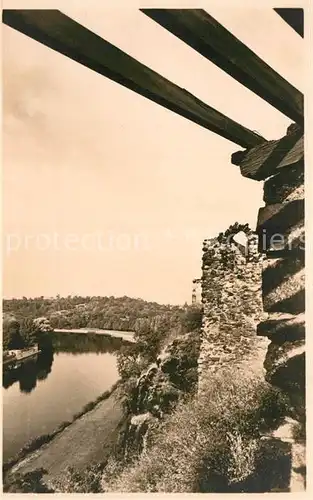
(29, 331)
(30, 482)
(43, 325)
(12, 338)
(192, 319)
(43, 329)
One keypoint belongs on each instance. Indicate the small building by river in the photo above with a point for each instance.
(15, 357)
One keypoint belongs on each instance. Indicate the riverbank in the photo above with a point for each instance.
(127, 336)
(87, 440)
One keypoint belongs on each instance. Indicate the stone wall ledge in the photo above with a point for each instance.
(287, 185)
(281, 225)
(288, 296)
(284, 364)
(279, 327)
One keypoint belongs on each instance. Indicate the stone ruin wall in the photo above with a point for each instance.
(281, 233)
(231, 301)
(283, 283)
(271, 278)
(267, 285)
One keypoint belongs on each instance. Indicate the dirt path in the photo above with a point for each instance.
(87, 441)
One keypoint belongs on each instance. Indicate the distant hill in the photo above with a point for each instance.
(117, 313)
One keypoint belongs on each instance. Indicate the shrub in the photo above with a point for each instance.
(30, 482)
(63, 426)
(87, 481)
(36, 443)
(192, 318)
(182, 364)
(299, 431)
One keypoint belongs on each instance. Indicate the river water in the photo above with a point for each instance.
(41, 395)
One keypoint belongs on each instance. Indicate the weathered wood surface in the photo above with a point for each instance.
(294, 17)
(206, 35)
(61, 33)
(271, 157)
(295, 154)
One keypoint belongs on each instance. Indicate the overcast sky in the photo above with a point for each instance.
(107, 193)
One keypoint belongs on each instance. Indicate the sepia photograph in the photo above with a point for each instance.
(153, 309)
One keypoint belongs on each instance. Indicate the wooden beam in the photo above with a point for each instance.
(293, 17)
(206, 35)
(295, 154)
(63, 34)
(270, 157)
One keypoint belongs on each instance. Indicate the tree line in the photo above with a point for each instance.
(116, 313)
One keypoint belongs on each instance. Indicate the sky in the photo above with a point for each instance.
(108, 193)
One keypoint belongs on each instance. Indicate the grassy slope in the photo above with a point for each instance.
(88, 440)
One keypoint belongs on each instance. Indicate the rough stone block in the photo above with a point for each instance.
(281, 227)
(276, 271)
(288, 185)
(288, 296)
(285, 368)
(281, 328)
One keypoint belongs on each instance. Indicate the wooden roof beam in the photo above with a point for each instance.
(61, 33)
(293, 17)
(271, 157)
(206, 35)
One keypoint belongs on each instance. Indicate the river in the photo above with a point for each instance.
(41, 395)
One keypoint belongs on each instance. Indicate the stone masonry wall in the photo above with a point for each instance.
(231, 299)
(280, 228)
(283, 283)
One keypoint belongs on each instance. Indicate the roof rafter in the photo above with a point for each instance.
(208, 37)
(293, 17)
(61, 33)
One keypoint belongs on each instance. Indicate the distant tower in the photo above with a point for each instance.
(196, 291)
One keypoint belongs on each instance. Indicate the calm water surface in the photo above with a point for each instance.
(40, 396)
